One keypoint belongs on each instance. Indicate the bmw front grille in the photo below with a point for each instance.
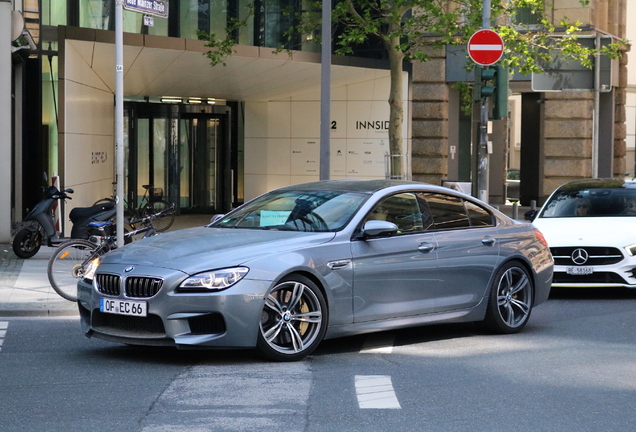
(135, 286)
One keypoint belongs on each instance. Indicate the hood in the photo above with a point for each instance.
(196, 249)
(588, 231)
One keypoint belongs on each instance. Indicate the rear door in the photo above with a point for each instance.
(467, 250)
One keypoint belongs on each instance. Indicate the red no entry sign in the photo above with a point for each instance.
(485, 47)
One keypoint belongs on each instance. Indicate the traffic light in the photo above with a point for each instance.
(500, 108)
(492, 81)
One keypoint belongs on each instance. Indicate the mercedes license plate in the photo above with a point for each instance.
(579, 270)
(123, 307)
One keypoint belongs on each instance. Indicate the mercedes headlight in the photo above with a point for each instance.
(631, 249)
(213, 280)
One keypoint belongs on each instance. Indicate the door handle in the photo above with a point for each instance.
(426, 247)
(488, 241)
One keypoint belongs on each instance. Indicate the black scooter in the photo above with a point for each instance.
(39, 227)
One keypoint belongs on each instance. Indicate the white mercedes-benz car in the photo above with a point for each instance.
(590, 226)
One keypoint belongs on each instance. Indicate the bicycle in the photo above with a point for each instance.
(152, 202)
(73, 259)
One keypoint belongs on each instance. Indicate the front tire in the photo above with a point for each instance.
(27, 243)
(67, 266)
(294, 320)
(511, 299)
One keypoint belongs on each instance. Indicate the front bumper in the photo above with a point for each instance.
(225, 319)
(622, 275)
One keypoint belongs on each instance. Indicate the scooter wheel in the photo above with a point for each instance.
(26, 243)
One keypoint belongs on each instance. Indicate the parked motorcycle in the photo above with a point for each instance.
(38, 226)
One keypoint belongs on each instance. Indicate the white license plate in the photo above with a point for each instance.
(123, 307)
(579, 270)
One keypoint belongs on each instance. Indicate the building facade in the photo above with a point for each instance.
(210, 137)
(550, 137)
(213, 137)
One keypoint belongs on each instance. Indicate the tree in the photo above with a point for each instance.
(406, 28)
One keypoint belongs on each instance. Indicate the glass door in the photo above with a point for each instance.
(147, 141)
(184, 151)
(198, 173)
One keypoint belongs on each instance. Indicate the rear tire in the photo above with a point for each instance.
(510, 301)
(67, 266)
(27, 243)
(167, 210)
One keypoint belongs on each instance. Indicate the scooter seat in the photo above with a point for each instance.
(80, 213)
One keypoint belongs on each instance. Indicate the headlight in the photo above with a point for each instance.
(214, 280)
(631, 250)
(89, 271)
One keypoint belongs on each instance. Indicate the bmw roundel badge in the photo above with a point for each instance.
(129, 269)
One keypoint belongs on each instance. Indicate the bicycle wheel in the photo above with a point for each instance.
(67, 266)
(164, 212)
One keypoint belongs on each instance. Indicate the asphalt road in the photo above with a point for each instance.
(572, 369)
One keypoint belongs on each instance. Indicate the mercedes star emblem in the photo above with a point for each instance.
(579, 256)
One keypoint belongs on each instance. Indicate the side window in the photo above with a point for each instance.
(448, 211)
(401, 209)
(478, 215)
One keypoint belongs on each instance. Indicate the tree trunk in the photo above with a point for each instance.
(396, 107)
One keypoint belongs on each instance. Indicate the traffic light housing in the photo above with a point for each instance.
(492, 82)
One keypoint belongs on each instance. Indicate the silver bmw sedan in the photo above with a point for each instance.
(320, 260)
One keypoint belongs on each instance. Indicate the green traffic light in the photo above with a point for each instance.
(492, 82)
(488, 74)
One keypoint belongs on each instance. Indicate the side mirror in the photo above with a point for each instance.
(375, 228)
(530, 215)
(69, 190)
(216, 217)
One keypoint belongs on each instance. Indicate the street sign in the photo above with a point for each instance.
(485, 47)
(150, 7)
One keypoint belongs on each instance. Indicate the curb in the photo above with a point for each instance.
(30, 312)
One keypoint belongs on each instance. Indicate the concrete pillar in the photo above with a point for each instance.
(567, 137)
(6, 78)
(429, 156)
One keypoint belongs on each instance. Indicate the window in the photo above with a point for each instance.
(478, 215)
(525, 16)
(401, 209)
(448, 211)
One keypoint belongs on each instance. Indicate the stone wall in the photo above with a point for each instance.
(567, 135)
(429, 154)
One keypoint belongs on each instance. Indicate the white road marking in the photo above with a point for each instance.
(376, 392)
(3, 331)
(234, 395)
(379, 343)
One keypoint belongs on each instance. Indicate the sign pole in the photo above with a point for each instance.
(325, 92)
(482, 153)
(119, 120)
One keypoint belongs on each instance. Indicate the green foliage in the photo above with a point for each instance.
(412, 29)
(223, 46)
(465, 96)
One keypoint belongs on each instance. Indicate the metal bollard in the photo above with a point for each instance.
(533, 205)
(515, 210)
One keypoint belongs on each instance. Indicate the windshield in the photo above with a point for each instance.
(602, 202)
(316, 211)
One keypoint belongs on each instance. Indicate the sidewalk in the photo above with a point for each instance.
(24, 284)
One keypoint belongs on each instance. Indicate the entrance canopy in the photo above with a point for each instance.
(163, 66)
